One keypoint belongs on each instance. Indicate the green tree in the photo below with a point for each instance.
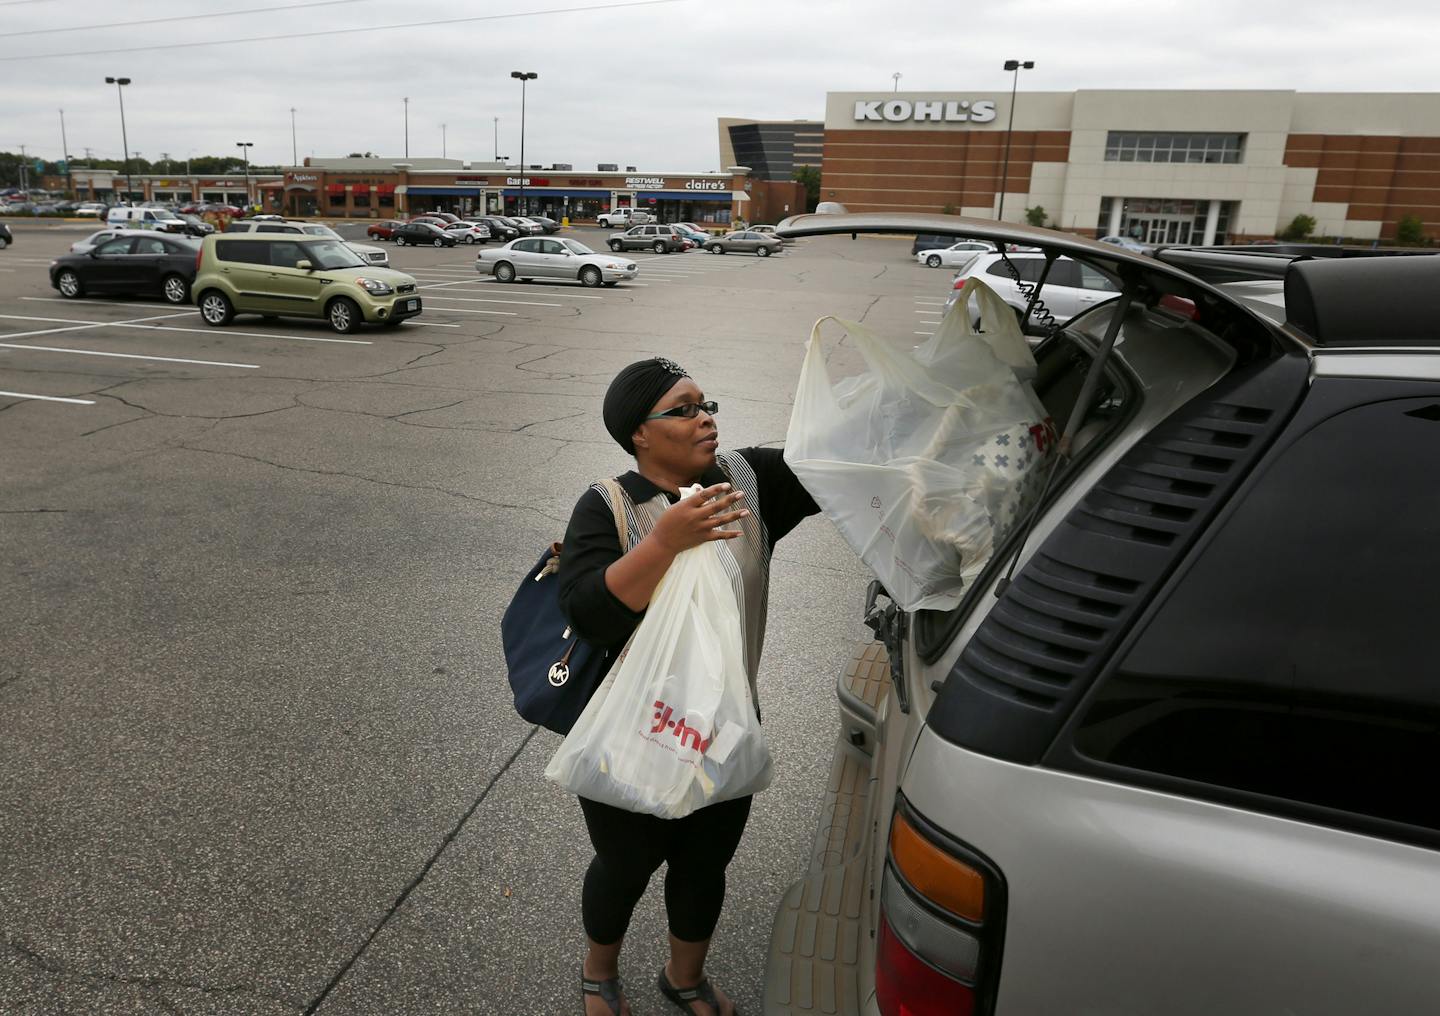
(1035, 216)
(1300, 228)
(1410, 229)
(361, 155)
(810, 177)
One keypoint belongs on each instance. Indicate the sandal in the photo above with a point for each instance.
(683, 997)
(608, 990)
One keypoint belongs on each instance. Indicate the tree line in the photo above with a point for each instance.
(203, 165)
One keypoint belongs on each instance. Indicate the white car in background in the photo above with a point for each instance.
(540, 257)
(1126, 243)
(953, 256)
(96, 239)
(1069, 288)
(376, 256)
(468, 232)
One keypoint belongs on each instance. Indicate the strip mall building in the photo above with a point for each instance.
(1161, 166)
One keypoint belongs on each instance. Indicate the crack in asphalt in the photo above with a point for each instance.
(387, 483)
(34, 511)
(35, 959)
(419, 877)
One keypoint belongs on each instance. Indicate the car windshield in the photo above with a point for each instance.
(576, 247)
(327, 254)
(324, 231)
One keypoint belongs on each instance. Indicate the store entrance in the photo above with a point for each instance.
(1161, 228)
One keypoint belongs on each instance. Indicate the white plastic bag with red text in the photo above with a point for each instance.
(672, 728)
(926, 459)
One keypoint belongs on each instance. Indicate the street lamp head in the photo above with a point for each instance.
(117, 81)
(524, 75)
(1015, 65)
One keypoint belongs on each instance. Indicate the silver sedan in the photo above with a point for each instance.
(747, 242)
(536, 257)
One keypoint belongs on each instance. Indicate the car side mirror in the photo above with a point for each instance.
(304, 266)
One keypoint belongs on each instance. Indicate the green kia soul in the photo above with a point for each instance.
(280, 275)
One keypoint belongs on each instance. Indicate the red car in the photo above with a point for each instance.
(381, 230)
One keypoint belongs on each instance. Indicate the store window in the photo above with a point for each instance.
(362, 199)
(1304, 677)
(1143, 146)
(337, 200)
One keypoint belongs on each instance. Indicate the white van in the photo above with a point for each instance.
(624, 217)
(161, 219)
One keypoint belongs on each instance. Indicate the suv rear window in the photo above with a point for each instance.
(1295, 660)
(245, 252)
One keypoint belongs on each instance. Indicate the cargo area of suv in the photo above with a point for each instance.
(1170, 752)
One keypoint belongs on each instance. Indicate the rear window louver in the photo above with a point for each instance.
(1046, 638)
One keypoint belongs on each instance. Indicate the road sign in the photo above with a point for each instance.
(39, 165)
(62, 166)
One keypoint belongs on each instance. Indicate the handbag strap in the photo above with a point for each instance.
(617, 508)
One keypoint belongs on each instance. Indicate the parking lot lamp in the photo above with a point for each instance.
(406, 100)
(1015, 66)
(523, 76)
(294, 152)
(65, 154)
(245, 147)
(120, 84)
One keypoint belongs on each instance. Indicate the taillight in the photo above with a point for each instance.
(942, 924)
(959, 282)
(199, 256)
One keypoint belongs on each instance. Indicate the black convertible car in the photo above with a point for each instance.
(161, 265)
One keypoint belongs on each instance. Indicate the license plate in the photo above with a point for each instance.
(412, 304)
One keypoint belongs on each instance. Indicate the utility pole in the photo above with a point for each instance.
(444, 151)
(24, 173)
(294, 151)
(65, 154)
(406, 100)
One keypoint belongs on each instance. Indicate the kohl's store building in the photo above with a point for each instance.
(1159, 166)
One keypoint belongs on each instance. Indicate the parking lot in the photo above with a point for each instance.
(260, 751)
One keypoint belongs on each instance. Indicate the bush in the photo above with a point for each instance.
(1300, 228)
(948, 210)
(1411, 229)
(1035, 216)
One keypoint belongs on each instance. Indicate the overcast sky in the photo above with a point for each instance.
(637, 85)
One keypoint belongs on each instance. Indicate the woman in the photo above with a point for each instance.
(750, 499)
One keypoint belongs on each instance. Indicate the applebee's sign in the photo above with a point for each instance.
(939, 110)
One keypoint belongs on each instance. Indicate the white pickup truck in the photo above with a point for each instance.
(625, 217)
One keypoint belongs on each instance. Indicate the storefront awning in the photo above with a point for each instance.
(684, 195)
(300, 187)
(740, 195)
(335, 188)
(558, 192)
(472, 191)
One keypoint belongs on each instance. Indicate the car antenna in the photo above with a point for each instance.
(1067, 436)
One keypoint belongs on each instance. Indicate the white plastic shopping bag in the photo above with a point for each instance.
(672, 728)
(926, 459)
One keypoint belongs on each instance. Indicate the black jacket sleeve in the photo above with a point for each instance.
(784, 502)
(592, 545)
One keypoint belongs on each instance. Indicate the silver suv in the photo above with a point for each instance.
(1171, 752)
(370, 255)
(660, 239)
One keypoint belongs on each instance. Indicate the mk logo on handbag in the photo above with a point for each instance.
(688, 736)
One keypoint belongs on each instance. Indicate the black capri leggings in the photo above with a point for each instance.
(630, 846)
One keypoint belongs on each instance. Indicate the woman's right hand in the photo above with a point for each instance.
(698, 519)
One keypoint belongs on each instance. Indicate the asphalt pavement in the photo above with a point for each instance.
(259, 754)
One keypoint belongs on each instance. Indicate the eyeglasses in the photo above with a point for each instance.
(688, 411)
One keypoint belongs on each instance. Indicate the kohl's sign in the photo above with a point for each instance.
(939, 111)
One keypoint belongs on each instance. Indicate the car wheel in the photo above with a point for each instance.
(4, 243)
(933, 261)
(215, 308)
(505, 272)
(764, 252)
(590, 276)
(715, 248)
(470, 240)
(344, 315)
(69, 285)
(615, 245)
(176, 289)
(399, 241)
(438, 242)
(659, 247)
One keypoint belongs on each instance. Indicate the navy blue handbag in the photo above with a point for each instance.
(554, 672)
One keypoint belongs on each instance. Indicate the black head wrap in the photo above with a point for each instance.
(634, 391)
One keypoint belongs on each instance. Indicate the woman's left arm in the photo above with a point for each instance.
(784, 501)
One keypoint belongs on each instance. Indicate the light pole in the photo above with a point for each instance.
(120, 84)
(245, 147)
(406, 100)
(444, 152)
(65, 154)
(497, 138)
(294, 151)
(897, 76)
(1010, 65)
(523, 77)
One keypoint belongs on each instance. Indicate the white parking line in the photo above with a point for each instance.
(467, 310)
(47, 398)
(482, 299)
(429, 324)
(127, 307)
(125, 356)
(567, 290)
(79, 324)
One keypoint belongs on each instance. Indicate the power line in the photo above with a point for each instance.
(179, 17)
(17, 3)
(110, 50)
